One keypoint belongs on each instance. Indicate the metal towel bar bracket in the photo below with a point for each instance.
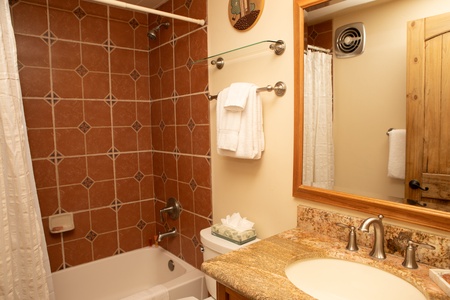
(279, 88)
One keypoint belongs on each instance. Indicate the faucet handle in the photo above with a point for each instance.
(351, 245)
(173, 209)
(410, 254)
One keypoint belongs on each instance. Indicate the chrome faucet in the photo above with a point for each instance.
(171, 232)
(378, 244)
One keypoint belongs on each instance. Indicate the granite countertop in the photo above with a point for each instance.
(257, 271)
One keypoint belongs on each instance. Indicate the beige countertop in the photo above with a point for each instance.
(257, 271)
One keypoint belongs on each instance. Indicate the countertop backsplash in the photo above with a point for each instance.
(396, 238)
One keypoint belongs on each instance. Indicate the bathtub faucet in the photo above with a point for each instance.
(171, 232)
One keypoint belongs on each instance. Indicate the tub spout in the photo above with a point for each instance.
(171, 232)
(378, 243)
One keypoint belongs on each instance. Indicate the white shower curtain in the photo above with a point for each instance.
(24, 265)
(318, 149)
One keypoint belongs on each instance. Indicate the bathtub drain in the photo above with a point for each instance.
(171, 265)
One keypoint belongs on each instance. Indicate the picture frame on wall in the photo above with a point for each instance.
(244, 14)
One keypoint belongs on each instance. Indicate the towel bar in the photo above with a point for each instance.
(279, 88)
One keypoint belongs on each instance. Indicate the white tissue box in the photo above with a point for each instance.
(233, 235)
(436, 276)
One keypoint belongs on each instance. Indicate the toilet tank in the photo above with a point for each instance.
(214, 246)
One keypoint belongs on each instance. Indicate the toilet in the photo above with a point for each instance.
(214, 246)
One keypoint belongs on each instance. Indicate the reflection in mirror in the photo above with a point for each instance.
(368, 98)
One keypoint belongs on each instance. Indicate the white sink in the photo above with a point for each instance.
(335, 279)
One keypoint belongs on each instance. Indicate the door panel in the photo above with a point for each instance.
(428, 111)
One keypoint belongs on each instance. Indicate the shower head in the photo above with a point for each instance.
(152, 33)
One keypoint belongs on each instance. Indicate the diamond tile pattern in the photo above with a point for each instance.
(79, 13)
(91, 236)
(55, 157)
(87, 182)
(111, 100)
(135, 75)
(134, 23)
(162, 125)
(49, 38)
(193, 185)
(113, 153)
(190, 64)
(84, 127)
(139, 176)
(191, 125)
(164, 177)
(52, 98)
(195, 241)
(108, 46)
(141, 224)
(19, 65)
(136, 126)
(81, 70)
(116, 204)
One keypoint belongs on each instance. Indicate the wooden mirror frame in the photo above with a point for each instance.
(391, 210)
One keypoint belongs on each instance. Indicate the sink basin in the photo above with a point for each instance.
(335, 279)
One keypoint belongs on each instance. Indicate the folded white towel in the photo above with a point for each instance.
(251, 135)
(228, 124)
(158, 292)
(397, 151)
(237, 96)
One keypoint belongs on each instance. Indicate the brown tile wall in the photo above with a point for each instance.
(86, 72)
(320, 35)
(180, 126)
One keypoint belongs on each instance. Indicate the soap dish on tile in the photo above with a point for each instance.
(436, 276)
(61, 223)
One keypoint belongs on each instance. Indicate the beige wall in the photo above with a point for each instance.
(370, 89)
(259, 190)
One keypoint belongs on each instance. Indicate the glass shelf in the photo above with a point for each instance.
(277, 46)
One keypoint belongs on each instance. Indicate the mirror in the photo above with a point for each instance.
(371, 202)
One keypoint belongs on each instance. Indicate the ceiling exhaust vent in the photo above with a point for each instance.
(350, 40)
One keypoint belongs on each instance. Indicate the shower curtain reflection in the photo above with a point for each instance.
(318, 150)
(24, 265)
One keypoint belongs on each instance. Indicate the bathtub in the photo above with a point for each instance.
(126, 274)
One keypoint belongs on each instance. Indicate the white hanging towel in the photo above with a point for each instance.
(237, 96)
(158, 292)
(397, 151)
(228, 124)
(250, 135)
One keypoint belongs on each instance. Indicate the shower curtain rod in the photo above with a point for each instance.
(150, 11)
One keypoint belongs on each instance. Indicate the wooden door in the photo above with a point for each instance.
(428, 112)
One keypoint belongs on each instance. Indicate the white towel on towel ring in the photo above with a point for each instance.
(397, 151)
(158, 292)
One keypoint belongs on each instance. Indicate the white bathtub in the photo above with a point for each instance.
(126, 274)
